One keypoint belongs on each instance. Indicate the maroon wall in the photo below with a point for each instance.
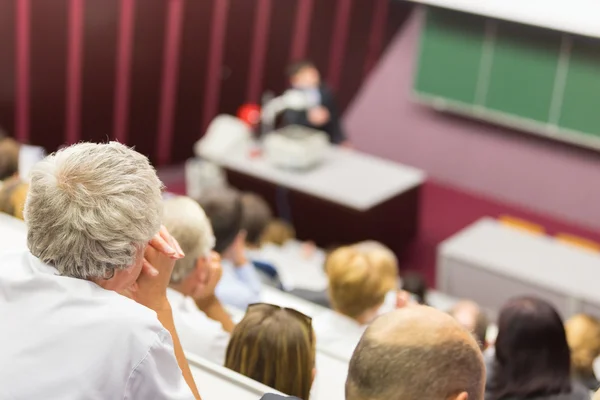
(153, 73)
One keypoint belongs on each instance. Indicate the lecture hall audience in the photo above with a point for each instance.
(532, 358)
(201, 320)
(240, 284)
(275, 346)
(583, 336)
(94, 239)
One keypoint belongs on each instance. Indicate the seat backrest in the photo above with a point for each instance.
(521, 224)
(578, 241)
(216, 382)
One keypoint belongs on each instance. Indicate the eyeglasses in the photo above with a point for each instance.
(300, 316)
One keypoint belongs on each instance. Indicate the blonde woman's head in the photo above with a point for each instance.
(583, 336)
(278, 232)
(360, 276)
(276, 347)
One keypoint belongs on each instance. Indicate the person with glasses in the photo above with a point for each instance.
(275, 346)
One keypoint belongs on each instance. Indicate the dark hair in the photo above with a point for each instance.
(532, 354)
(414, 283)
(297, 66)
(9, 157)
(224, 210)
(256, 215)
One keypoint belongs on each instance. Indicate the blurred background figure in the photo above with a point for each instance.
(275, 346)
(532, 358)
(240, 284)
(305, 76)
(414, 283)
(13, 194)
(9, 158)
(583, 336)
(472, 318)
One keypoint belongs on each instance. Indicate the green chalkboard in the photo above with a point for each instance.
(581, 102)
(523, 71)
(450, 54)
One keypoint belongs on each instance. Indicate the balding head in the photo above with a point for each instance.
(416, 353)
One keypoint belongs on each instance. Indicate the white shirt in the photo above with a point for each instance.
(199, 334)
(64, 338)
(337, 333)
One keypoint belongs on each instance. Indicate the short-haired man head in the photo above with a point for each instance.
(416, 353)
(240, 284)
(472, 318)
(201, 321)
(93, 217)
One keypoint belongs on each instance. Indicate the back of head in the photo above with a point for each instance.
(13, 194)
(583, 336)
(472, 318)
(416, 353)
(360, 276)
(256, 215)
(92, 208)
(9, 157)
(532, 355)
(276, 347)
(278, 232)
(187, 222)
(223, 207)
(414, 283)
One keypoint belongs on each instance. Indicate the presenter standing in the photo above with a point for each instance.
(305, 76)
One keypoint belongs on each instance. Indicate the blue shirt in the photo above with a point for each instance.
(239, 287)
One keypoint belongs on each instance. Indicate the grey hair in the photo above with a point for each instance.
(189, 225)
(92, 208)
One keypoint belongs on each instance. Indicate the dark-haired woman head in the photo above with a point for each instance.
(532, 358)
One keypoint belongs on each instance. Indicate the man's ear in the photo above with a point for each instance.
(462, 396)
(314, 374)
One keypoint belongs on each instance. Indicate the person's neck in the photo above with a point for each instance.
(184, 287)
(362, 319)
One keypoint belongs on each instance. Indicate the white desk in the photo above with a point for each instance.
(348, 198)
(348, 178)
(574, 16)
(330, 382)
(215, 382)
(491, 263)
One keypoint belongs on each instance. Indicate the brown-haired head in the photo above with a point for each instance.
(416, 353)
(276, 347)
(9, 157)
(360, 276)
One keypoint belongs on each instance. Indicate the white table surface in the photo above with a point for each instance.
(574, 16)
(538, 260)
(216, 382)
(346, 177)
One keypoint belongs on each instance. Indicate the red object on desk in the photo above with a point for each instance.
(250, 114)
